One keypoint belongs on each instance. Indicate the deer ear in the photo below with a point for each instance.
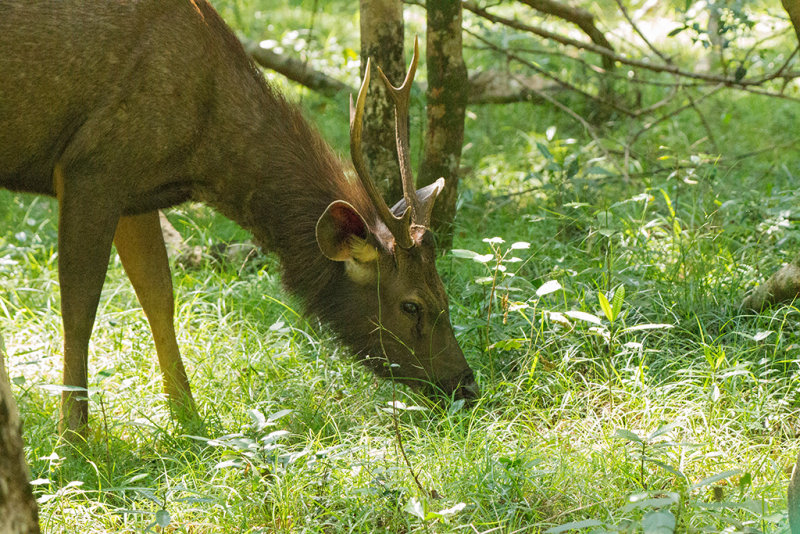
(342, 234)
(426, 197)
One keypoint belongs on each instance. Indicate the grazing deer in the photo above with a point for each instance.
(120, 108)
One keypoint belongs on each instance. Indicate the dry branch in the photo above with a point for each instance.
(295, 70)
(578, 16)
(668, 68)
(485, 87)
(543, 72)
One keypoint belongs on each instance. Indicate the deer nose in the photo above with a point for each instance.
(468, 389)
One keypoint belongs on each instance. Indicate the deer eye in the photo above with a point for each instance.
(411, 308)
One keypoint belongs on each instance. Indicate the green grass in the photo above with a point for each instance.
(584, 421)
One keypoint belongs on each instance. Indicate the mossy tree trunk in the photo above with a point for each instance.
(18, 511)
(446, 107)
(382, 40)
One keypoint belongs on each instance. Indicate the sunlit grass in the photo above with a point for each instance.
(681, 408)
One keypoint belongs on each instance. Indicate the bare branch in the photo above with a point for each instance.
(655, 50)
(551, 76)
(500, 87)
(709, 130)
(578, 16)
(295, 70)
(674, 112)
(668, 68)
(485, 87)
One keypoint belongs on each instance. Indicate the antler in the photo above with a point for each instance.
(401, 97)
(400, 227)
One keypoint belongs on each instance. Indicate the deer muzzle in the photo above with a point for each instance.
(464, 387)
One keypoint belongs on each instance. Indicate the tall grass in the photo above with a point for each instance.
(623, 390)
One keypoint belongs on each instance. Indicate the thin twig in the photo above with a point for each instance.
(655, 67)
(704, 122)
(551, 76)
(673, 113)
(400, 441)
(650, 45)
(588, 127)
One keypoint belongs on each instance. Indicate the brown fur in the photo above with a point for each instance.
(143, 104)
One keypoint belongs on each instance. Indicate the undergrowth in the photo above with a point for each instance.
(623, 390)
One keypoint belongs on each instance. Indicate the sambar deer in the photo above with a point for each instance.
(120, 108)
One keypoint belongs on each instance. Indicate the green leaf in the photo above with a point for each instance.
(415, 508)
(544, 151)
(744, 481)
(572, 168)
(463, 253)
(654, 502)
(617, 300)
(647, 326)
(509, 344)
(259, 421)
(761, 336)
(660, 431)
(483, 258)
(574, 525)
(658, 522)
(453, 509)
(548, 287)
(600, 171)
(583, 316)
(163, 518)
(606, 306)
(666, 467)
(715, 478)
(402, 406)
(627, 434)
(669, 203)
(277, 415)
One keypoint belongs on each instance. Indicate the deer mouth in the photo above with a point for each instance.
(462, 387)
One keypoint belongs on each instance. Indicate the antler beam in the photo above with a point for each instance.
(401, 97)
(400, 227)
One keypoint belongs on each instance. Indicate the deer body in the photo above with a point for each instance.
(121, 108)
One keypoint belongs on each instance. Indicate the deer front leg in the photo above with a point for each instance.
(85, 231)
(140, 245)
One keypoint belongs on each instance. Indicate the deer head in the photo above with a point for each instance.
(389, 268)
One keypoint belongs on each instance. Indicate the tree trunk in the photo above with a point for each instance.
(784, 285)
(382, 40)
(447, 100)
(792, 7)
(794, 499)
(18, 511)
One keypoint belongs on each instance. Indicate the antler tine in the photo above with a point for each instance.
(399, 227)
(401, 97)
